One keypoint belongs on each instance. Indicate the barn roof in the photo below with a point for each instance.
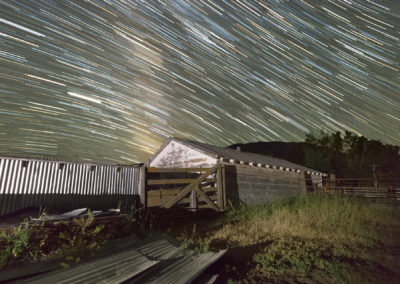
(235, 156)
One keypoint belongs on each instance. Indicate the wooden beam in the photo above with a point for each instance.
(207, 200)
(208, 189)
(157, 202)
(219, 187)
(193, 198)
(176, 181)
(142, 185)
(223, 188)
(169, 181)
(191, 186)
(175, 170)
(162, 192)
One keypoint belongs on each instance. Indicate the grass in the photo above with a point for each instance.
(317, 238)
(70, 242)
(314, 238)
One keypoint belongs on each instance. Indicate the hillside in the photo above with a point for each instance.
(355, 162)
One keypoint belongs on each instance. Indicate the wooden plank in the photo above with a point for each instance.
(219, 189)
(208, 189)
(159, 202)
(162, 192)
(193, 198)
(372, 189)
(191, 186)
(206, 199)
(173, 191)
(170, 181)
(175, 170)
(142, 185)
(211, 180)
(223, 201)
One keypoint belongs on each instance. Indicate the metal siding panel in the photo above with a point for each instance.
(79, 180)
(102, 179)
(65, 177)
(36, 181)
(57, 179)
(117, 177)
(28, 185)
(24, 176)
(112, 180)
(125, 182)
(135, 185)
(8, 176)
(52, 179)
(1, 175)
(85, 181)
(13, 176)
(46, 177)
(108, 180)
(41, 182)
(32, 178)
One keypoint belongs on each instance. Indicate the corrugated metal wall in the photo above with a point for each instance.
(65, 185)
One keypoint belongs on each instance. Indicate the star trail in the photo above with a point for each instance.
(110, 80)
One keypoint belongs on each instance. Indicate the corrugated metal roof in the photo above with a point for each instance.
(228, 154)
(55, 159)
(158, 259)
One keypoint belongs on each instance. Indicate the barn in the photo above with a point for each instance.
(248, 178)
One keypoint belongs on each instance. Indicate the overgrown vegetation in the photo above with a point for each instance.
(317, 238)
(70, 241)
(314, 238)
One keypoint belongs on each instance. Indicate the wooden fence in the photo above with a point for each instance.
(364, 187)
(193, 188)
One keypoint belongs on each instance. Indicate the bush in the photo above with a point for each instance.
(15, 244)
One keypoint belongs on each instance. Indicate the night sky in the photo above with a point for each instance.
(111, 80)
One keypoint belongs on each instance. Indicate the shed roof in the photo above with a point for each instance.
(234, 156)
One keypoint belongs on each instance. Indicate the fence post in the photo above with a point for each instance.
(303, 183)
(142, 185)
(193, 198)
(332, 182)
(223, 180)
(220, 189)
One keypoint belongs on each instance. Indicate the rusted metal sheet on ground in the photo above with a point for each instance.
(156, 260)
(67, 185)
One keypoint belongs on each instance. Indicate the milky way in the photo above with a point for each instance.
(111, 80)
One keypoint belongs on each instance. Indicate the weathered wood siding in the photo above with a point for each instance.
(176, 155)
(252, 185)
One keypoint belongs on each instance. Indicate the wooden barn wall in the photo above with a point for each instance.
(176, 155)
(252, 185)
(65, 186)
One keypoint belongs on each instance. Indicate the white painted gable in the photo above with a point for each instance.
(178, 155)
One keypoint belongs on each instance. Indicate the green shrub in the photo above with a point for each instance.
(15, 244)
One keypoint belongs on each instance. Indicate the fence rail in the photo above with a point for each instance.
(360, 187)
(192, 188)
(65, 185)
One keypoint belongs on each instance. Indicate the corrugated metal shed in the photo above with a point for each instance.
(31, 182)
(227, 154)
(156, 260)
